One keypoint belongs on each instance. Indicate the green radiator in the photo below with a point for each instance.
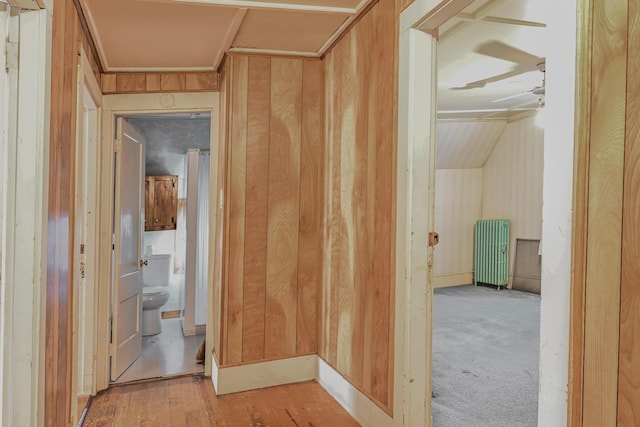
(491, 254)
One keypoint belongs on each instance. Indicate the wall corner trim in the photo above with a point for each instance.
(233, 379)
(258, 375)
(350, 398)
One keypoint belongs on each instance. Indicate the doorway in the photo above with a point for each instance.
(157, 117)
(417, 139)
(176, 206)
(489, 167)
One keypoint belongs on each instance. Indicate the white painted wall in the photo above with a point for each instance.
(458, 207)
(506, 184)
(415, 207)
(512, 184)
(163, 242)
(557, 211)
(4, 131)
(25, 161)
(467, 144)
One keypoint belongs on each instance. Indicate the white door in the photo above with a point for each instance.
(127, 289)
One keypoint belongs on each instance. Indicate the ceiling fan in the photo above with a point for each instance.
(524, 63)
(537, 91)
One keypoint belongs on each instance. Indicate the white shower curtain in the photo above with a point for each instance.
(202, 242)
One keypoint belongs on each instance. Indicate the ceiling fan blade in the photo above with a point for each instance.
(517, 95)
(482, 83)
(500, 50)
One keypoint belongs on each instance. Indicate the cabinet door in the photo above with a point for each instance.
(165, 202)
(149, 184)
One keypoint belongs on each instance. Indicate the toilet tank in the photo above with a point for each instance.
(157, 272)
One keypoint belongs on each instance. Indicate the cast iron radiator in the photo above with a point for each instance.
(491, 253)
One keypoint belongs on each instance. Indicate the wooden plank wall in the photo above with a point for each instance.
(158, 82)
(358, 266)
(629, 358)
(405, 4)
(68, 37)
(271, 243)
(605, 380)
(220, 253)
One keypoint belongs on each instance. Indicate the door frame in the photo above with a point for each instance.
(89, 104)
(416, 146)
(24, 138)
(131, 104)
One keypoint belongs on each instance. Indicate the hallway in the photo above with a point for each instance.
(191, 401)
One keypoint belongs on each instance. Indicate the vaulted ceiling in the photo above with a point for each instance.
(166, 35)
(490, 58)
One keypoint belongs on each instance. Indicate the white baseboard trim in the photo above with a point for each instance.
(454, 279)
(350, 398)
(195, 330)
(234, 379)
(253, 376)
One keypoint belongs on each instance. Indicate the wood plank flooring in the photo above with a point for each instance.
(191, 401)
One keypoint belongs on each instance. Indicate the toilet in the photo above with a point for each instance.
(156, 273)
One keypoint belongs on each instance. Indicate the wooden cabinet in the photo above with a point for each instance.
(160, 202)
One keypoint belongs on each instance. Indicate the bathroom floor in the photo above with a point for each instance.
(168, 353)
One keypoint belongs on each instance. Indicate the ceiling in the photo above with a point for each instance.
(491, 38)
(488, 38)
(166, 35)
(167, 139)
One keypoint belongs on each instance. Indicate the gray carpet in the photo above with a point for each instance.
(485, 357)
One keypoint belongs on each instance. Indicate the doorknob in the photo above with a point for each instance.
(143, 262)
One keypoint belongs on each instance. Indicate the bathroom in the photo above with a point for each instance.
(174, 253)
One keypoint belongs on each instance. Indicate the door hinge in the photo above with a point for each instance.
(117, 146)
(12, 55)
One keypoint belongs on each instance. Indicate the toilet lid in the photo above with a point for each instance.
(152, 290)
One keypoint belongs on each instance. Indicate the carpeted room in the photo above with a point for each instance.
(485, 357)
(489, 166)
(486, 341)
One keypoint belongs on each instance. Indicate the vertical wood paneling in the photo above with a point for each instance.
(309, 237)
(220, 254)
(367, 132)
(283, 211)
(153, 83)
(237, 206)
(330, 222)
(200, 81)
(605, 385)
(629, 358)
(385, 183)
(134, 82)
(359, 217)
(67, 40)
(334, 162)
(579, 221)
(173, 82)
(159, 82)
(259, 95)
(347, 294)
(602, 296)
(273, 215)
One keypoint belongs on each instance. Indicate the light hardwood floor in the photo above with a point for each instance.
(191, 401)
